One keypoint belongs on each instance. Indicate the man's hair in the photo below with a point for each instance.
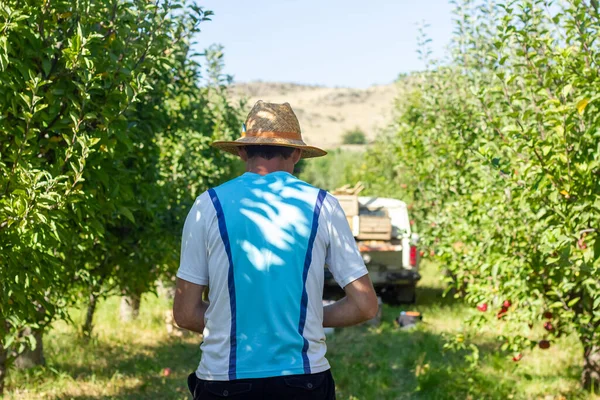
(268, 152)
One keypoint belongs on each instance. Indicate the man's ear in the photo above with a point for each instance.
(242, 153)
(296, 156)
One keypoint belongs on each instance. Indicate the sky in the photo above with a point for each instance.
(324, 42)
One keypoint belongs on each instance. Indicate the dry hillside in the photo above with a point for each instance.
(326, 113)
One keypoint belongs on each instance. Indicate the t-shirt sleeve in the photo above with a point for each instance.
(343, 258)
(193, 266)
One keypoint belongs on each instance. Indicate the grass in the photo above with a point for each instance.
(125, 361)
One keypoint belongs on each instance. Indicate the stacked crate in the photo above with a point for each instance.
(374, 227)
(369, 225)
(350, 206)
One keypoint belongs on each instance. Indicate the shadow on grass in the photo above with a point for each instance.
(434, 296)
(390, 363)
(143, 365)
(368, 363)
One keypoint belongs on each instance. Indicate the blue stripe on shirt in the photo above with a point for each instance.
(307, 262)
(230, 282)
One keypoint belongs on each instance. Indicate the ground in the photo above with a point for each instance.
(127, 361)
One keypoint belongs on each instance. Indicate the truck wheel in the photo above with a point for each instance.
(407, 294)
(401, 295)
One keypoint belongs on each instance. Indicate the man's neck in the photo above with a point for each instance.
(263, 166)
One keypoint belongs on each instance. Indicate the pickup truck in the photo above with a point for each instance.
(381, 227)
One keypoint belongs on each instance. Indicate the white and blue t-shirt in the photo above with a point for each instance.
(260, 243)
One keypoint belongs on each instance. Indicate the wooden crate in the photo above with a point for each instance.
(374, 228)
(349, 204)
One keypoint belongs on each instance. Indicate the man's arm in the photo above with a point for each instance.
(188, 306)
(359, 305)
(192, 276)
(348, 268)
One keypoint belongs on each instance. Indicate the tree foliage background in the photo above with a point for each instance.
(105, 125)
(498, 150)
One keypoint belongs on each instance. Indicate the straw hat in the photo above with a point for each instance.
(273, 125)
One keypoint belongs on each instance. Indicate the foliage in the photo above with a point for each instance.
(354, 136)
(104, 132)
(330, 172)
(499, 153)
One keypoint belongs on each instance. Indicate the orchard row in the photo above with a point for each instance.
(498, 151)
(105, 121)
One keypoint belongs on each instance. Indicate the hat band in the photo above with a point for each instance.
(273, 135)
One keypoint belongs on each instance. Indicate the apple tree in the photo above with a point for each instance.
(98, 101)
(499, 152)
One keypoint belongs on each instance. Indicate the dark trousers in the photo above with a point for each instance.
(291, 387)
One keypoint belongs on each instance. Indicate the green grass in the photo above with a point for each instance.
(125, 361)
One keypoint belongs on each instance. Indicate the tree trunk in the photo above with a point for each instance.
(130, 307)
(88, 325)
(165, 289)
(31, 358)
(590, 378)
(3, 368)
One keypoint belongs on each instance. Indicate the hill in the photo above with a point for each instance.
(326, 113)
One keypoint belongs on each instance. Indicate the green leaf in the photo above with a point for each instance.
(572, 302)
(556, 305)
(127, 213)
(582, 104)
(9, 341)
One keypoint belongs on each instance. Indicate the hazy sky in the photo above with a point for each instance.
(327, 42)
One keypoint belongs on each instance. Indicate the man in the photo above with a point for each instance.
(260, 243)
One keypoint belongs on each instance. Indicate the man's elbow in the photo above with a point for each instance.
(178, 318)
(371, 308)
(181, 319)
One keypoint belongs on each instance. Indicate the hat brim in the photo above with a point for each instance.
(232, 146)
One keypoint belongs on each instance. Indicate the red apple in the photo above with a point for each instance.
(166, 372)
(517, 357)
(548, 326)
(482, 307)
(544, 344)
(412, 222)
(581, 243)
(506, 304)
(421, 253)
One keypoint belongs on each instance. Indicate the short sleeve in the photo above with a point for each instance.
(193, 266)
(343, 258)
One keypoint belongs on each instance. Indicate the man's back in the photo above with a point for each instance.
(260, 244)
(267, 241)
